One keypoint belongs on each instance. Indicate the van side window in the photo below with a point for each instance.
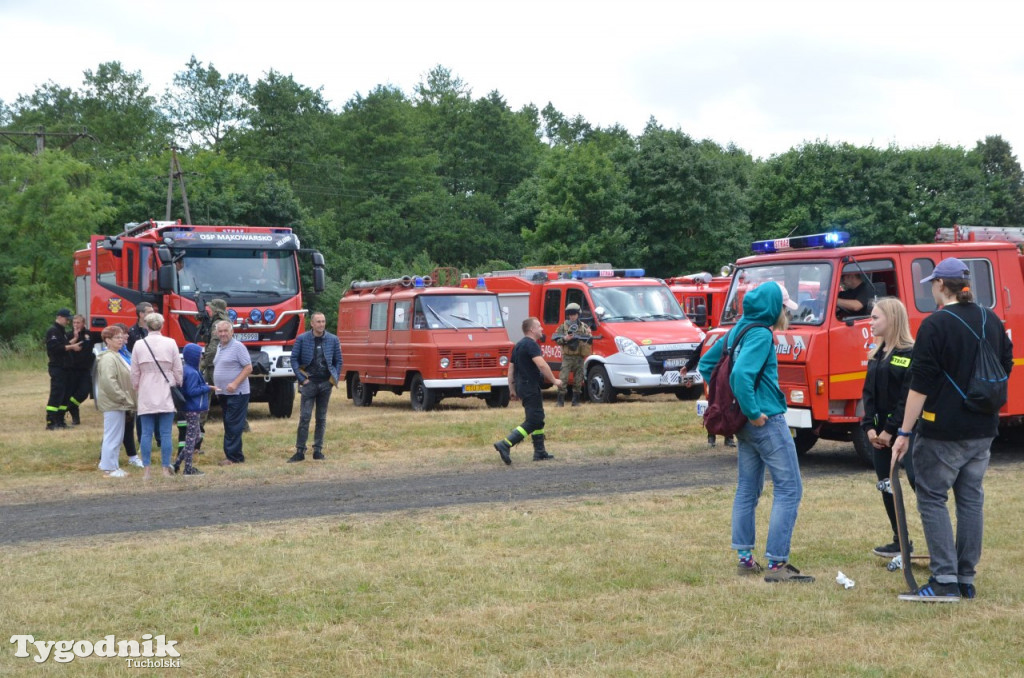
(379, 316)
(982, 282)
(402, 315)
(579, 297)
(923, 300)
(552, 307)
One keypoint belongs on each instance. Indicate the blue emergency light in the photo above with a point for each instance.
(418, 281)
(802, 242)
(269, 315)
(232, 315)
(608, 273)
(255, 315)
(481, 284)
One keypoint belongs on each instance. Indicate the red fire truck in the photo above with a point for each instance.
(702, 296)
(434, 341)
(823, 356)
(179, 268)
(641, 335)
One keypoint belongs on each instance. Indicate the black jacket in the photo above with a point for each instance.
(56, 339)
(83, 359)
(885, 390)
(944, 346)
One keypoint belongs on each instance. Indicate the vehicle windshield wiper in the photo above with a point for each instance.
(468, 320)
(435, 314)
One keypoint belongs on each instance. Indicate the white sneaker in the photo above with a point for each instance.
(135, 461)
(118, 473)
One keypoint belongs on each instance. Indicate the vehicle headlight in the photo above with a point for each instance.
(628, 346)
(444, 363)
(269, 315)
(503, 360)
(797, 396)
(255, 315)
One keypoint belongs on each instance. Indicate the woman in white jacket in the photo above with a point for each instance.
(156, 365)
(115, 396)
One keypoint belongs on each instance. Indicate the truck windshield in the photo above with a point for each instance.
(807, 284)
(457, 311)
(631, 303)
(237, 274)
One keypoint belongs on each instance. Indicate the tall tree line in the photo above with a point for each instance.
(395, 182)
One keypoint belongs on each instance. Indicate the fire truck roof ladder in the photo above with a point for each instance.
(958, 233)
(404, 281)
(134, 229)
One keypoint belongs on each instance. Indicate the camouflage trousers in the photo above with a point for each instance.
(572, 365)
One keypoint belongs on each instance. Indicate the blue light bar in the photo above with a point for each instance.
(802, 242)
(608, 273)
(418, 281)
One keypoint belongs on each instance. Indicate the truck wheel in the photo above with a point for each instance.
(423, 399)
(599, 387)
(804, 440)
(281, 397)
(692, 393)
(498, 398)
(864, 450)
(362, 395)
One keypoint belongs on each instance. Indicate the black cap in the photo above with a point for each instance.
(64, 313)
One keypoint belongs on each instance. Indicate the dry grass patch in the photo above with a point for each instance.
(625, 585)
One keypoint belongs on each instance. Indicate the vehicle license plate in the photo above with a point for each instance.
(476, 388)
(674, 363)
(701, 406)
(247, 336)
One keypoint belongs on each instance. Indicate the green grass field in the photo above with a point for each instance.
(620, 585)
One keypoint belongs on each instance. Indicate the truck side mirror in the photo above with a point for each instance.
(701, 316)
(318, 280)
(165, 278)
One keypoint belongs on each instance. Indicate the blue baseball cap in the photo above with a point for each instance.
(951, 268)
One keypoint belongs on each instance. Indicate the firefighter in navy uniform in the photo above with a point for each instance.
(575, 339)
(525, 374)
(57, 347)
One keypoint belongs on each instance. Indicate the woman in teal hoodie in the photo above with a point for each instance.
(764, 442)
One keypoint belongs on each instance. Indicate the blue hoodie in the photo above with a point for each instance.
(761, 305)
(193, 387)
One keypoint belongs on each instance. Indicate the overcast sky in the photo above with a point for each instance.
(766, 75)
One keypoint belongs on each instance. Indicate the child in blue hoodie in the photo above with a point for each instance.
(197, 400)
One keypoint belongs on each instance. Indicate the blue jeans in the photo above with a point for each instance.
(234, 408)
(758, 448)
(958, 465)
(316, 394)
(162, 422)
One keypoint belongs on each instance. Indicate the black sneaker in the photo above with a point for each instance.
(711, 441)
(318, 455)
(968, 591)
(504, 449)
(298, 456)
(192, 472)
(730, 441)
(890, 550)
(933, 592)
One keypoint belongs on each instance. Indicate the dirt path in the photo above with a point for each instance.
(522, 482)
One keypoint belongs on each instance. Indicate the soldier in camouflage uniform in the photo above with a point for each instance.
(216, 310)
(575, 338)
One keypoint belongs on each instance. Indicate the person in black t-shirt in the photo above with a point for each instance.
(856, 297)
(952, 443)
(524, 383)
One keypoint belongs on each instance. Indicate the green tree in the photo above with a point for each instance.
(204, 106)
(691, 201)
(49, 205)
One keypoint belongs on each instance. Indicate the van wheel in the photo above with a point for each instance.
(498, 398)
(804, 440)
(599, 388)
(864, 449)
(281, 397)
(423, 399)
(692, 393)
(362, 395)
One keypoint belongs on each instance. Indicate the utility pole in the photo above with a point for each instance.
(41, 135)
(176, 173)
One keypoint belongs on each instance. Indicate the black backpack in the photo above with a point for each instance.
(723, 416)
(986, 390)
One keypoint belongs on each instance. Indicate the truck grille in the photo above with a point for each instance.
(462, 360)
(792, 375)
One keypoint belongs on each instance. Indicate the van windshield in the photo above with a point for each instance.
(631, 303)
(807, 284)
(457, 311)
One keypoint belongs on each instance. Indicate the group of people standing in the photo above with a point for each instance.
(69, 363)
(914, 411)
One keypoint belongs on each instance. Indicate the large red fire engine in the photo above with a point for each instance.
(823, 356)
(702, 296)
(434, 341)
(641, 335)
(178, 268)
